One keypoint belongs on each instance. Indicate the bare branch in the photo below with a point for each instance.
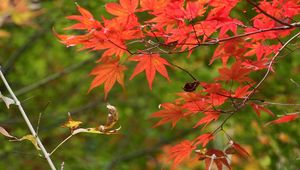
(29, 125)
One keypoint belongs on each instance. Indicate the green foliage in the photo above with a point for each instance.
(138, 145)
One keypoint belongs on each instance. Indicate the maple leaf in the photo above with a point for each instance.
(152, 4)
(257, 65)
(108, 73)
(216, 156)
(236, 73)
(86, 20)
(124, 9)
(217, 99)
(203, 139)
(284, 119)
(240, 149)
(210, 116)
(228, 49)
(150, 63)
(258, 108)
(180, 152)
(235, 147)
(170, 113)
(196, 106)
(241, 92)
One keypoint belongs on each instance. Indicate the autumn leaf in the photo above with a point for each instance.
(284, 119)
(180, 152)
(30, 138)
(258, 108)
(170, 113)
(203, 139)
(86, 20)
(8, 101)
(241, 92)
(152, 4)
(108, 74)
(191, 86)
(112, 117)
(5, 133)
(235, 73)
(235, 147)
(210, 116)
(125, 8)
(71, 124)
(150, 63)
(216, 156)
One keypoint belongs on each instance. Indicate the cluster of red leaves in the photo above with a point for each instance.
(177, 26)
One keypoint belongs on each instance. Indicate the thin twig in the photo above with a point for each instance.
(281, 104)
(247, 98)
(29, 125)
(39, 119)
(61, 143)
(270, 67)
(184, 71)
(268, 15)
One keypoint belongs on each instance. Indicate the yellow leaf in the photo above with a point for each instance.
(31, 138)
(72, 124)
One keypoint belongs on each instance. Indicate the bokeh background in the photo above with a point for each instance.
(51, 79)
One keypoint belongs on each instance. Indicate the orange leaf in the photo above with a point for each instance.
(125, 8)
(150, 63)
(204, 139)
(108, 74)
(236, 73)
(180, 152)
(171, 113)
(218, 157)
(86, 20)
(235, 147)
(258, 108)
(284, 119)
(210, 116)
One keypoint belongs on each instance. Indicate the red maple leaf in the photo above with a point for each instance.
(241, 92)
(124, 9)
(170, 113)
(240, 149)
(284, 119)
(150, 63)
(108, 74)
(196, 106)
(235, 73)
(210, 116)
(216, 156)
(203, 139)
(237, 148)
(86, 20)
(180, 152)
(258, 108)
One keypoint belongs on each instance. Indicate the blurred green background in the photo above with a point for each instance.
(51, 79)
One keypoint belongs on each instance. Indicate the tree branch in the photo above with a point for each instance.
(29, 125)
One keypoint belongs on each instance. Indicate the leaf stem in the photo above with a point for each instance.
(65, 140)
